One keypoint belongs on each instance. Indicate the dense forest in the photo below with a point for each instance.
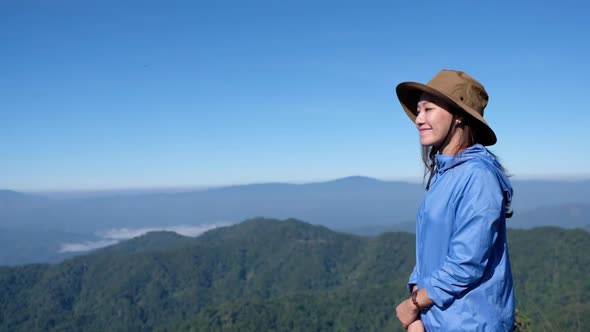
(270, 275)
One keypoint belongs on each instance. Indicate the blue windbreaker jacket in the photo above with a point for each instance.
(461, 252)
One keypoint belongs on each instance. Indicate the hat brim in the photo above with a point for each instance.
(409, 94)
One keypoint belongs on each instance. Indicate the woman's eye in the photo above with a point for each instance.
(424, 109)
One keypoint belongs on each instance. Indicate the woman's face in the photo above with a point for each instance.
(433, 120)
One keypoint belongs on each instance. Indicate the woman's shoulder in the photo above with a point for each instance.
(483, 177)
(482, 163)
(478, 167)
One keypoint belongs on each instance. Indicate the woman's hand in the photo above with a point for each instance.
(416, 326)
(407, 312)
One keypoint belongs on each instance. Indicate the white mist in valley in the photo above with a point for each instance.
(115, 235)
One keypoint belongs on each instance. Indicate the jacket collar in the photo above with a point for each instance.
(445, 162)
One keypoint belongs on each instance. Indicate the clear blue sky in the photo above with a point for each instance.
(141, 94)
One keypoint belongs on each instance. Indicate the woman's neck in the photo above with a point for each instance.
(453, 145)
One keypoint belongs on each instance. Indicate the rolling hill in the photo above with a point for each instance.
(272, 275)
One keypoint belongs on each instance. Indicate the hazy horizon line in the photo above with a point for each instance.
(64, 192)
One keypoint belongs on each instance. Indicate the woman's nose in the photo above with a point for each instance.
(419, 119)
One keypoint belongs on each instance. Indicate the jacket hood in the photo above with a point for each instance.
(477, 151)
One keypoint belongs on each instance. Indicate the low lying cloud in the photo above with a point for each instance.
(85, 246)
(128, 233)
(116, 235)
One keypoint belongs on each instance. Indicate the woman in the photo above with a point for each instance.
(462, 279)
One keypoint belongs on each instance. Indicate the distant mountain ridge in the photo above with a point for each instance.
(24, 246)
(347, 201)
(341, 203)
(14, 199)
(357, 204)
(573, 215)
(269, 275)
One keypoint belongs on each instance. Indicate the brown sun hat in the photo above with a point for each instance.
(456, 88)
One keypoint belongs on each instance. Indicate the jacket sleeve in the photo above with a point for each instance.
(477, 215)
(413, 280)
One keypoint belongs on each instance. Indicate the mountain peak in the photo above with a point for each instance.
(151, 241)
(266, 229)
(355, 179)
(10, 198)
(11, 194)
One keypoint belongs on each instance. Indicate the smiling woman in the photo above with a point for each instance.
(434, 122)
(462, 279)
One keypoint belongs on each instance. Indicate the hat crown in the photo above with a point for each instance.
(461, 88)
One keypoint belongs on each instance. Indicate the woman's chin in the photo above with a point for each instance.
(425, 142)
